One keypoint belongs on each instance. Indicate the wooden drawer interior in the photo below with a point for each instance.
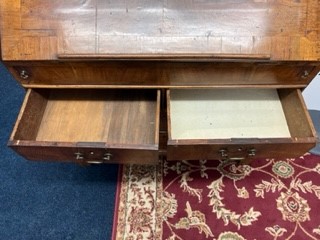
(237, 113)
(117, 117)
(222, 117)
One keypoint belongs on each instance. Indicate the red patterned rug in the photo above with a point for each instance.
(219, 200)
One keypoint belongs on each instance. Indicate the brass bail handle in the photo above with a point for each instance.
(224, 154)
(105, 158)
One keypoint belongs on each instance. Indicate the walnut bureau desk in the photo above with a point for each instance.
(128, 81)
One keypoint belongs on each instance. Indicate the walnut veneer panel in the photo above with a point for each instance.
(162, 74)
(281, 30)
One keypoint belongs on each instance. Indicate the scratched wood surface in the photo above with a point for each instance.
(112, 116)
(122, 117)
(43, 29)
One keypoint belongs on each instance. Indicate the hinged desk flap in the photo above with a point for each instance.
(41, 30)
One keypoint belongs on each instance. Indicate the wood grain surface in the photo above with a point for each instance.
(95, 70)
(112, 116)
(279, 30)
(163, 74)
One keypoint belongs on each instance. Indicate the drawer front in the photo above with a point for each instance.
(237, 124)
(85, 155)
(89, 126)
(162, 74)
(237, 151)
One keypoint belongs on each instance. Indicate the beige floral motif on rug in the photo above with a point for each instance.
(220, 200)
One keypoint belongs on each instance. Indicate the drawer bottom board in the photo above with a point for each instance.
(227, 113)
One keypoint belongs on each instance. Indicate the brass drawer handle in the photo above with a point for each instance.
(224, 154)
(106, 158)
(94, 162)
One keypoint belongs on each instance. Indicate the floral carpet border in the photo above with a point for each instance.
(138, 203)
(270, 199)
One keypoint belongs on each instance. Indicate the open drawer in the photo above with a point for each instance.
(89, 125)
(237, 124)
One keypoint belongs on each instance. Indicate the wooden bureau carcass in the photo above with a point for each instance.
(129, 81)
